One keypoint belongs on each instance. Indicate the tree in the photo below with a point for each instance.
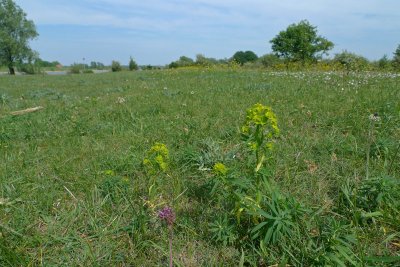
(201, 60)
(300, 42)
(383, 63)
(133, 65)
(396, 58)
(15, 32)
(244, 57)
(183, 61)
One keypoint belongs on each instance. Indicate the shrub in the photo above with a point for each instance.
(87, 71)
(29, 68)
(270, 61)
(351, 62)
(115, 66)
(75, 68)
(133, 65)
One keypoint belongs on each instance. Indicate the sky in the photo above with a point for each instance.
(158, 32)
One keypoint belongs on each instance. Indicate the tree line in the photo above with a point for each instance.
(298, 45)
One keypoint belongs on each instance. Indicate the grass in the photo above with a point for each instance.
(73, 191)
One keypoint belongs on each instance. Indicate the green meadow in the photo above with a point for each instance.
(74, 189)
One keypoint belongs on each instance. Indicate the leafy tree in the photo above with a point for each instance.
(15, 32)
(300, 42)
(396, 58)
(93, 65)
(244, 57)
(183, 61)
(383, 63)
(133, 65)
(201, 60)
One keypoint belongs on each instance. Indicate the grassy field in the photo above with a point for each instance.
(74, 190)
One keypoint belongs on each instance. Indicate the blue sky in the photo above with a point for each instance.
(160, 31)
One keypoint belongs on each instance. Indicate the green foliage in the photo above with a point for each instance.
(116, 66)
(376, 199)
(157, 158)
(46, 64)
(300, 42)
(351, 62)
(396, 58)
(76, 68)
(332, 244)
(259, 130)
(114, 186)
(133, 65)
(29, 68)
(181, 62)
(279, 218)
(15, 32)
(96, 65)
(244, 57)
(270, 60)
(203, 61)
(384, 63)
(223, 231)
(87, 71)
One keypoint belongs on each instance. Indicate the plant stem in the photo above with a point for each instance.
(170, 245)
(369, 148)
(394, 157)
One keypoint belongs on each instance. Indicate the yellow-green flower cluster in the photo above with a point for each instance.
(157, 158)
(261, 116)
(220, 169)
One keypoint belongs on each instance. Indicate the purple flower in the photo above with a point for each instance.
(168, 215)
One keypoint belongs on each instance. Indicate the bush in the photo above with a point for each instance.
(29, 68)
(116, 66)
(244, 57)
(87, 71)
(75, 68)
(351, 62)
(270, 60)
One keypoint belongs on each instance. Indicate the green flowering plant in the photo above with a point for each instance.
(220, 169)
(157, 158)
(259, 130)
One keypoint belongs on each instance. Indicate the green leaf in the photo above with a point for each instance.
(344, 254)
(268, 235)
(258, 227)
(336, 259)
